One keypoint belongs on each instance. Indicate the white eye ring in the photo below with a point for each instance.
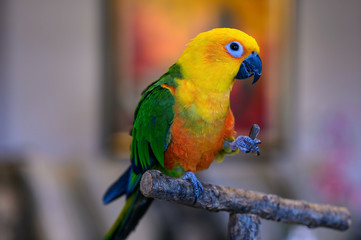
(235, 49)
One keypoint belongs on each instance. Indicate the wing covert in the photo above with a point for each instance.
(153, 119)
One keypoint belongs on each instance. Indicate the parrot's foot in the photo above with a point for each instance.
(197, 185)
(246, 144)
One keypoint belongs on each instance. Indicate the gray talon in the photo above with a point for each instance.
(197, 185)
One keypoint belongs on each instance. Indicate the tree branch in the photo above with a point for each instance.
(215, 198)
(243, 226)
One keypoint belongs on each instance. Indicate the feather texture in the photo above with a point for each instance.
(183, 119)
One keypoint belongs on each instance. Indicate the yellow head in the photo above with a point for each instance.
(213, 59)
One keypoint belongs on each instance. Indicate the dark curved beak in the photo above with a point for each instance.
(251, 66)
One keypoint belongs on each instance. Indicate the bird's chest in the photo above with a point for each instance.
(197, 135)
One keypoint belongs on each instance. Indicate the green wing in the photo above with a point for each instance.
(152, 120)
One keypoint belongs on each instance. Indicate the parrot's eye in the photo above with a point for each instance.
(234, 46)
(235, 49)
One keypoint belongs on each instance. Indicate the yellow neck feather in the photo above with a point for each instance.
(198, 103)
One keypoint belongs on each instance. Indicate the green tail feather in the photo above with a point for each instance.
(133, 210)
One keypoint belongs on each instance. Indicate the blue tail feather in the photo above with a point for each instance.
(118, 188)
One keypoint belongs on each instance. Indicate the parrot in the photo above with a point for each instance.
(183, 121)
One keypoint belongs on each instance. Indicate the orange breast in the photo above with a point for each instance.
(195, 144)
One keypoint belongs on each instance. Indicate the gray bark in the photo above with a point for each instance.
(215, 198)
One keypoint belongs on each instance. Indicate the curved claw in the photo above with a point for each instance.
(246, 144)
(197, 185)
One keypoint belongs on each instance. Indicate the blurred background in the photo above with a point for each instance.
(71, 74)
